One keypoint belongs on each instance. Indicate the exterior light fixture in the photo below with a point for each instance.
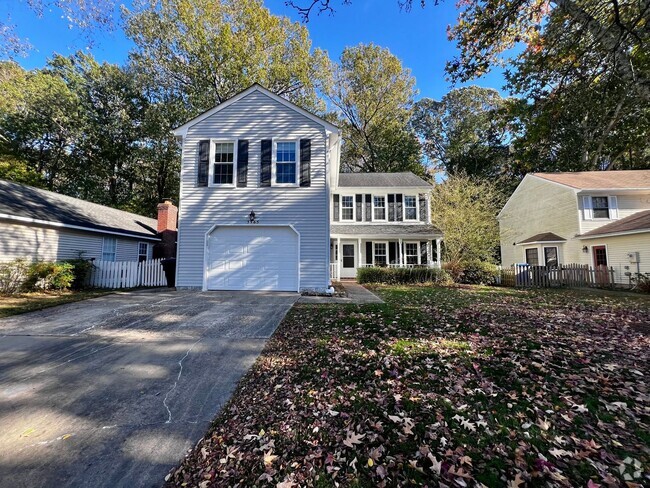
(252, 219)
(585, 249)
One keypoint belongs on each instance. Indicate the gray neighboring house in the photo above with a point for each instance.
(42, 225)
(381, 219)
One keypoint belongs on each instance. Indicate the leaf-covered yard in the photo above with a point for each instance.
(442, 387)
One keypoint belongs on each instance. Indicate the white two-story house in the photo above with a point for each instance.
(254, 198)
(595, 218)
(381, 219)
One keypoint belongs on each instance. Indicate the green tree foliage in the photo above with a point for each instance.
(464, 208)
(465, 132)
(373, 94)
(203, 52)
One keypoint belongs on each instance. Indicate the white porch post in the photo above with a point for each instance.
(429, 253)
(438, 253)
(339, 257)
(399, 253)
(359, 252)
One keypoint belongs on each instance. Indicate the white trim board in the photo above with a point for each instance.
(182, 130)
(30, 220)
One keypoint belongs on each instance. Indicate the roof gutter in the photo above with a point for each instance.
(30, 220)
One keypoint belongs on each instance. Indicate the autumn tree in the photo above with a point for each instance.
(465, 132)
(205, 51)
(464, 208)
(372, 95)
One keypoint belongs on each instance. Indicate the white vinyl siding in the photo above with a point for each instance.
(255, 117)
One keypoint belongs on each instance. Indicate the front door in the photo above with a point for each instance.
(349, 261)
(600, 265)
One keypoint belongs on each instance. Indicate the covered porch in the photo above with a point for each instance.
(347, 254)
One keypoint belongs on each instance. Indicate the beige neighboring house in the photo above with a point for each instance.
(597, 218)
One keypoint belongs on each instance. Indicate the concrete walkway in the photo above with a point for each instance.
(357, 295)
(113, 391)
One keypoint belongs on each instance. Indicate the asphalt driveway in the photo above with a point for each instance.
(113, 391)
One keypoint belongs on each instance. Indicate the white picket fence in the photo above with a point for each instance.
(126, 274)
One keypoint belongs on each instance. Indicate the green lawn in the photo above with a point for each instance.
(472, 386)
(29, 302)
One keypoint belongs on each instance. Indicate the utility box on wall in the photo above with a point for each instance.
(633, 257)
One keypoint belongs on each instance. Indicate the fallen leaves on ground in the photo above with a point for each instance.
(456, 387)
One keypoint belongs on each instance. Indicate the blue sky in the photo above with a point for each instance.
(418, 38)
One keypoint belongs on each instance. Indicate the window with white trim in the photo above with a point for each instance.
(378, 208)
(410, 207)
(347, 207)
(286, 163)
(600, 207)
(223, 163)
(143, 251)
(380, 254)
(109, 249)
(550, 256)
(412, 252)
(532, 256)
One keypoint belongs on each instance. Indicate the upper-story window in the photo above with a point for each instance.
(223, 166)
(410, 207)
(378, 208)
(347, 207)
(600, 207)
(285, 163)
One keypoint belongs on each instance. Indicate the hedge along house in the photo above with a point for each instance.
(381, 219)
(37, 224)
(594, 218)
(256, 173)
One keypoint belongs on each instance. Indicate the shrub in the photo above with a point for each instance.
(641, 282)
(81, 269)
(473, 272)
(12, 276)
(49, 276)
(401, 276)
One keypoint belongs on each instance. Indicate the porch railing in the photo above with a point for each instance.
(334, 272)
(435, 264)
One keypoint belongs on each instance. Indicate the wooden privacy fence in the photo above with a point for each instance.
(569, 275)
(126, 274)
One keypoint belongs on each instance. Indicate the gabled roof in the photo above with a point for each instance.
(633, 179)
(544, 237)
(382, 180)
(34, 205)
(633, 224)
(182, 130)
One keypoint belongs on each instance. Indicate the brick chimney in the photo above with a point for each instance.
(167, 216)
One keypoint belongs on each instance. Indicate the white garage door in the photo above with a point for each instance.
(253, 258)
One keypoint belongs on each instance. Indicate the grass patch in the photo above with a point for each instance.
(30, 302)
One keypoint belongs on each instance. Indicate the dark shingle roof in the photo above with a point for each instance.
(34, 203)
(388, 230)
(382, 180)
(544, 237)
(639, 222)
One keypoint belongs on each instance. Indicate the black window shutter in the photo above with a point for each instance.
(242, 163)
(368, 252)
(336, 207)
(399, 207)
(305, 162)
(423, 207)
(265, 162)
(204, 162)
(368, 208)
(358, 201)
(423, 252)
(391, 208)
(392, 252)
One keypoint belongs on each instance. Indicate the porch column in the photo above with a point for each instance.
(438, 257)
(399, 252)
(359, 253)
(337, 253)
(429, 251)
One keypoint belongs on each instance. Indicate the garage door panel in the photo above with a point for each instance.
(253, 258)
